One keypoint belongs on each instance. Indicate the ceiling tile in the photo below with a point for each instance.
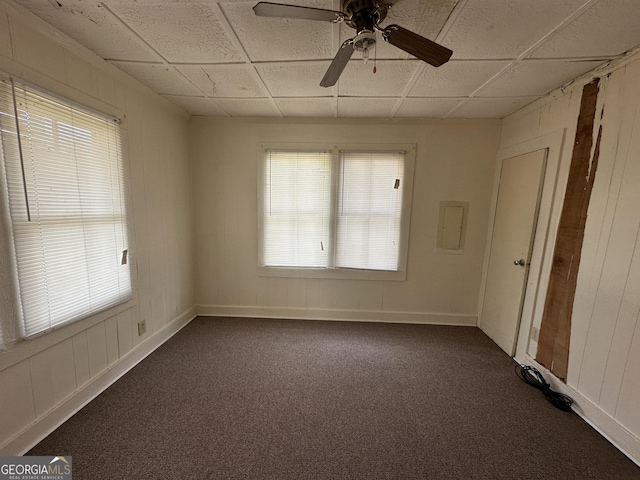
(255, 107)
(225, 80)
(180, 32)
(273, 39)
(427, 107)
(425, 17)
(197, 105)
(390, 79)
(536, 77)
(610, 27)
(491, 107)
(160, 78)
(504, 28)
(301, 79)
(306, 107)
(455, 79)
(366, 107)
(94, 27)
(209, 45)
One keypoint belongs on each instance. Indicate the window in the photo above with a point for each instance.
(340, 212)
(369, 205)
(296, 226)
(63, 191)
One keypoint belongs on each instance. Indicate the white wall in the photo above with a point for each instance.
(46, 379)
(454, 161)
(603, 373)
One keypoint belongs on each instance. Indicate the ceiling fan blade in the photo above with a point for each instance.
(337, 66)
(268, 9)
(418, 46)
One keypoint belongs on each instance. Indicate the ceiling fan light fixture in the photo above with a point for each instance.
(365, 42)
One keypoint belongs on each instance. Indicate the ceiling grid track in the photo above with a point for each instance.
(505, 55)
(149, 48)
(336, 45)
(142, 42)
(522, 57)
(231, 33)
(451, 19)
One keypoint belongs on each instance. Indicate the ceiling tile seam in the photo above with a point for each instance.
(574, 16)
(457, 107)
(449, 22)
(137, 62)
(408, 87)
(147, 46)
(583, 79)
(599, 58)
(284, 63)
(468, 99)
(167, 96)
(336, 27)
(335, 39)
(478, 90)
(238, 44)
(519, 61)
(180, 64)
(231, 33)
(185, 77)
(136, 35)
(231, 98)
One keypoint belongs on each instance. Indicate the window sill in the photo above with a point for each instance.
(22, 349)
(332, 273)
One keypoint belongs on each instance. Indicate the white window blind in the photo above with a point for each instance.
(369, 208)
(65, 195)
(334, 210)
(297, 189)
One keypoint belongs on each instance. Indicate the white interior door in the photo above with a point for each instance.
(511, 242)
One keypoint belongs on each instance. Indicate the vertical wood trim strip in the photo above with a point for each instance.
(555, 330)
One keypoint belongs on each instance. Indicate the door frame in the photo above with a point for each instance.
(545, 228)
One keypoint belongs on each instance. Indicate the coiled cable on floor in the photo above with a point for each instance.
(534, 378)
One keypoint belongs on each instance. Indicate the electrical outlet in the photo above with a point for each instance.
(535, 333)
(142, 327)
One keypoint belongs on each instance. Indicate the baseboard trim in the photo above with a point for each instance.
(336, 314)
(43, 426)
(602, 422)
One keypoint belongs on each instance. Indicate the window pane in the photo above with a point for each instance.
(66, 203)
(296, 208)
(369, 210)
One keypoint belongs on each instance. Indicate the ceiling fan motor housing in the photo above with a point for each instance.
(363, 14)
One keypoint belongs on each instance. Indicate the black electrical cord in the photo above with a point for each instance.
(534, 378)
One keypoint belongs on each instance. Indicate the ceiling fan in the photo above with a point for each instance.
(365, 17)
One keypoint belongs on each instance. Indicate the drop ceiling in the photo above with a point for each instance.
(218, 58)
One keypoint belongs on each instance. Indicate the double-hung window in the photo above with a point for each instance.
(63, 200)
(336, 212)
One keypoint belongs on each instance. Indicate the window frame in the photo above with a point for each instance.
(338, 272)
(9, 275)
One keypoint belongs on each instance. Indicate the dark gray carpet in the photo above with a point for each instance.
(280, 399)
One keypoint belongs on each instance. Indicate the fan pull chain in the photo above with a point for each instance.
(375, 60)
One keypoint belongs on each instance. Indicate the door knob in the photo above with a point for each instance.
(520, 262)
